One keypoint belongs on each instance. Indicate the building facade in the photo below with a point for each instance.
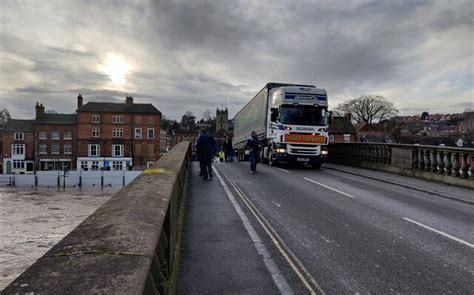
(117, 136)
(109, 136)
(341, 130)
(55, 140)
(18, 147)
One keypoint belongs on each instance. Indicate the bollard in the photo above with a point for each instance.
(36, 179)
(80, 178)
(59, 180)
(123, 178)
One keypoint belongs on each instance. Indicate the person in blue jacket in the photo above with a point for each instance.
(253, 144)
(206, 147)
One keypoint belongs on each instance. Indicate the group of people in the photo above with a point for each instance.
(206, 148)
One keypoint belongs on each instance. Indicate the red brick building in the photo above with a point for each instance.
(55, 140)
(341, 130)
(117, 136)
(18, 146)
(101, 135)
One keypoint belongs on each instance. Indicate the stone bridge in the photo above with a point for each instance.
(132, 244)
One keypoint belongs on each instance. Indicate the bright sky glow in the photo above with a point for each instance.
(116, 67)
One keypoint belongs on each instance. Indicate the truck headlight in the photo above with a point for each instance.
(281, 151)
(324, 152)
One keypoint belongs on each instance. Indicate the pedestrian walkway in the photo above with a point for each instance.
(218, 255)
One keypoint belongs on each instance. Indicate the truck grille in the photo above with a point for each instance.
(304, 150)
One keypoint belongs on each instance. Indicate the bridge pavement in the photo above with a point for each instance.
(336, 230)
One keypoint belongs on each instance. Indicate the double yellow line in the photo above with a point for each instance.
(308, 281)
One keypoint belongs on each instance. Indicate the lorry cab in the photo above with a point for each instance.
(297, 125)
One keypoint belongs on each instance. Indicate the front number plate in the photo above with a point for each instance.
(302, 159)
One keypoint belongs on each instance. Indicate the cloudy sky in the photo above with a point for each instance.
(198, 54)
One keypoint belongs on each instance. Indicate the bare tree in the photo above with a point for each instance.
(4, 117)
(368, 108)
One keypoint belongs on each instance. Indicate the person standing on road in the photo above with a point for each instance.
(228, 149)
(253, 144)
(205, 148)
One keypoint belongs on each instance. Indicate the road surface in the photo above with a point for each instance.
(334, 232)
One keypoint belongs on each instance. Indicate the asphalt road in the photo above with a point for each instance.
(336, 233)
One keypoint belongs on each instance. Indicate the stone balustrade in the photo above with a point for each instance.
(444, 164)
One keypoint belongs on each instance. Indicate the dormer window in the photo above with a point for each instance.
(19, 136)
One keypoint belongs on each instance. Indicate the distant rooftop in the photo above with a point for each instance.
(14, 125)
(136, 108)
(57, 119)
(341, 125)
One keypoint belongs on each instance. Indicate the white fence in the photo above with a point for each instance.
(71, 179)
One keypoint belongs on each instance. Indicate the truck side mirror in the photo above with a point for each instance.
(274, 114)
(330, 118)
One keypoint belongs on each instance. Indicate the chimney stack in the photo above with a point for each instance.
(129, 99)
(39, 110)
(80, 101)
(348, 116)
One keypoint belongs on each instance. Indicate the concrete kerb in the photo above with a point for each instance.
(112, 251)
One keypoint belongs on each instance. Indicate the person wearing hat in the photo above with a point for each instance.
(205, 148)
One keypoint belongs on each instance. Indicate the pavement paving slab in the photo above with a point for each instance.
(218, 255)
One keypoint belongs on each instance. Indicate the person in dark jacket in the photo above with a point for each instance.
(253, 144)
(205, 148)
(228, 149)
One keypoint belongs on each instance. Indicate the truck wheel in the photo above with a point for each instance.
(271, 161)
(316, 166)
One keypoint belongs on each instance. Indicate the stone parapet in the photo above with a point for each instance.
(454, 166)
(129, 245)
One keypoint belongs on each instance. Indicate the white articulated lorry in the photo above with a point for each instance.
(291, 121)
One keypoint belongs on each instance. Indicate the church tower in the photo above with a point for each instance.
(222, 120)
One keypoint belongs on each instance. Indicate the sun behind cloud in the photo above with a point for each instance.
(117, 67)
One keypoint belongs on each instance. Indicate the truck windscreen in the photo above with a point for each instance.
(303, 115)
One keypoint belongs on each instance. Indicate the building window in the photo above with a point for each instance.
(43, 149)
(67, 135)
(18, 164)
(138, 133)
(117, 150)
(95, 118)
(55, 149)
(331, 137)
(95, 165)
(117, 165)
(117, 132)
(151, 133)
(42, 135)
(94, 150)
(19, 136)
(117, 119)
(18, 149)
(95, 132)
(347, 138)
(68, 149)
(55, 135)
(84, 165)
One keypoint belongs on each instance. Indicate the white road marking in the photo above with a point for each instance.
(283, 170)
(277, 204)
(328, 187)
(439, 232)
(278, 242)
(275, 272)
